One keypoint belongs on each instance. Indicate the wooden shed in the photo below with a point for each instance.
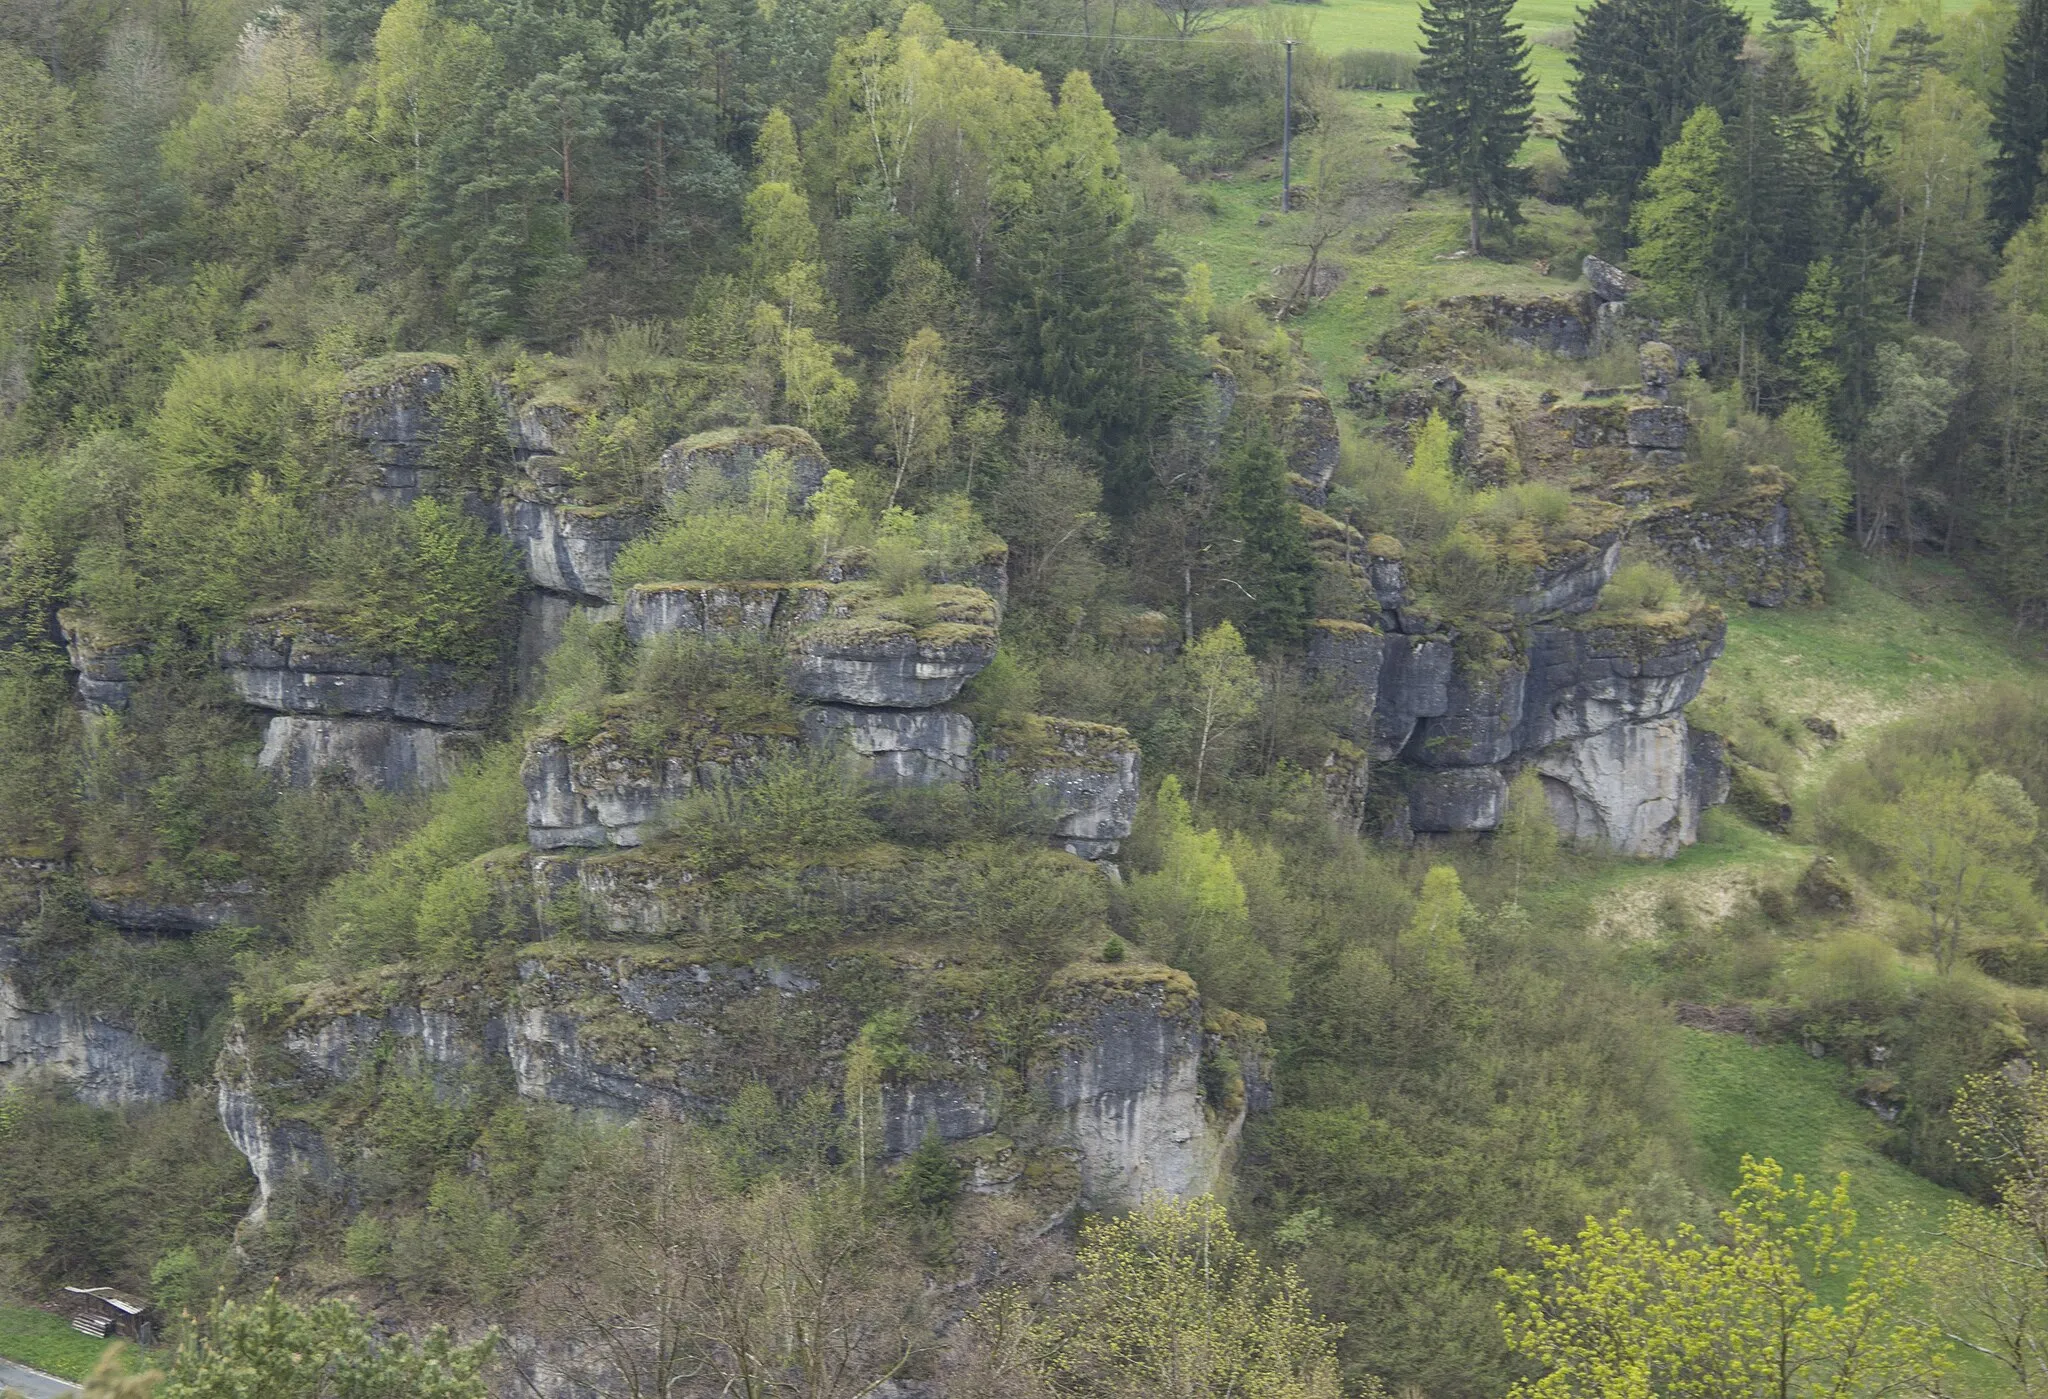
(103, 1312)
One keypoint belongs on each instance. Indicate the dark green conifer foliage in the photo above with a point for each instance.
(1473, 115)
(65, 381)
(1641, 67)
(2019, 120)
(1852, 146)
(1913, 51)
(473, 448)
(1276, 589)
(1775, 162)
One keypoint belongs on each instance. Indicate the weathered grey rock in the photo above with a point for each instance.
(1571, 584)
(1658, 427)
(388, 406)
(1482, 707)
(607, 790)
(1593, 674)
(723, 609)
(569, 548)
(384, 755)
(281, 1153)
(1348, 658)
(217, 907)
(1562, 325)
(104, 1064)
(294, 664)
(647, 1033)
(1659, 365)
(887, 667)
(1084, 778)
(735, 452)
(1610, 283)
(1388, 575)
(108, 666)
(1456, 799)
(1125, 1085)
(1633, 788)
(951, 1111)
(1748, 547)
(1308, 435)
(1414, 684)
(898, 747)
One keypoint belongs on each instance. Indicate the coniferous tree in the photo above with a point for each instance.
(1473, 115)
(1277, 592)
(1641, 68)
(1775, 162)
(2019, 120)
(1913, 52)
(1852, 145)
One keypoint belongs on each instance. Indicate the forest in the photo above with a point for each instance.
(880, 700)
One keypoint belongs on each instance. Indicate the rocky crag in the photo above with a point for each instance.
(1134, 1089)
(1594, 700)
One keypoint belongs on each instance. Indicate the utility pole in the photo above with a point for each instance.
(1287, 133)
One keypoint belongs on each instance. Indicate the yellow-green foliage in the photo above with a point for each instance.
(1192, 910)
(715, 535)
(1167, 1300)
(1788, 1296)
(1641, 587)
(379, 914)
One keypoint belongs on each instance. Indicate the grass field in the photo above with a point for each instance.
(46, 1342)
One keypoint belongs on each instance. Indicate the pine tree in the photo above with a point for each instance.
(1913, 52)
(2019, 120)
(1813, 341)
(1473, 115)
(1641, 68)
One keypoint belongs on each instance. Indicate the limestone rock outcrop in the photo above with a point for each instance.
(386, 723)
(1140, 1088)
(606, 787)
(1084, 779)
(1634, 788)
(374, 754)
(723, 609)
(1308, 435)
(108, 665)
(734, 452)
(106, 1065)
(897, 747)
(1125, 1084)
(387, 405)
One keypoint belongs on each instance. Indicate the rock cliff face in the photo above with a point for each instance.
(385, 723)
(104, 1064)
(1594, 700)
(734, 453)
(1121, 1073)
(108, 666)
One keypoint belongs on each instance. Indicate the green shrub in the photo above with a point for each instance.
(227, 417)
(428, 584)
(1377, 70)
(793, 807)
(1641, 587)
(712, 536)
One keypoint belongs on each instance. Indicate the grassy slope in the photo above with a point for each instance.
(46, 1342)
(1892, 641)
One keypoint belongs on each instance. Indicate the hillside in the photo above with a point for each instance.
(789, 701)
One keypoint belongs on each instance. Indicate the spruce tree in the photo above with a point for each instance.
(1274, 596)
(2019, 120)
(1852, 148)
(1473, 115)
(1641, 68)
